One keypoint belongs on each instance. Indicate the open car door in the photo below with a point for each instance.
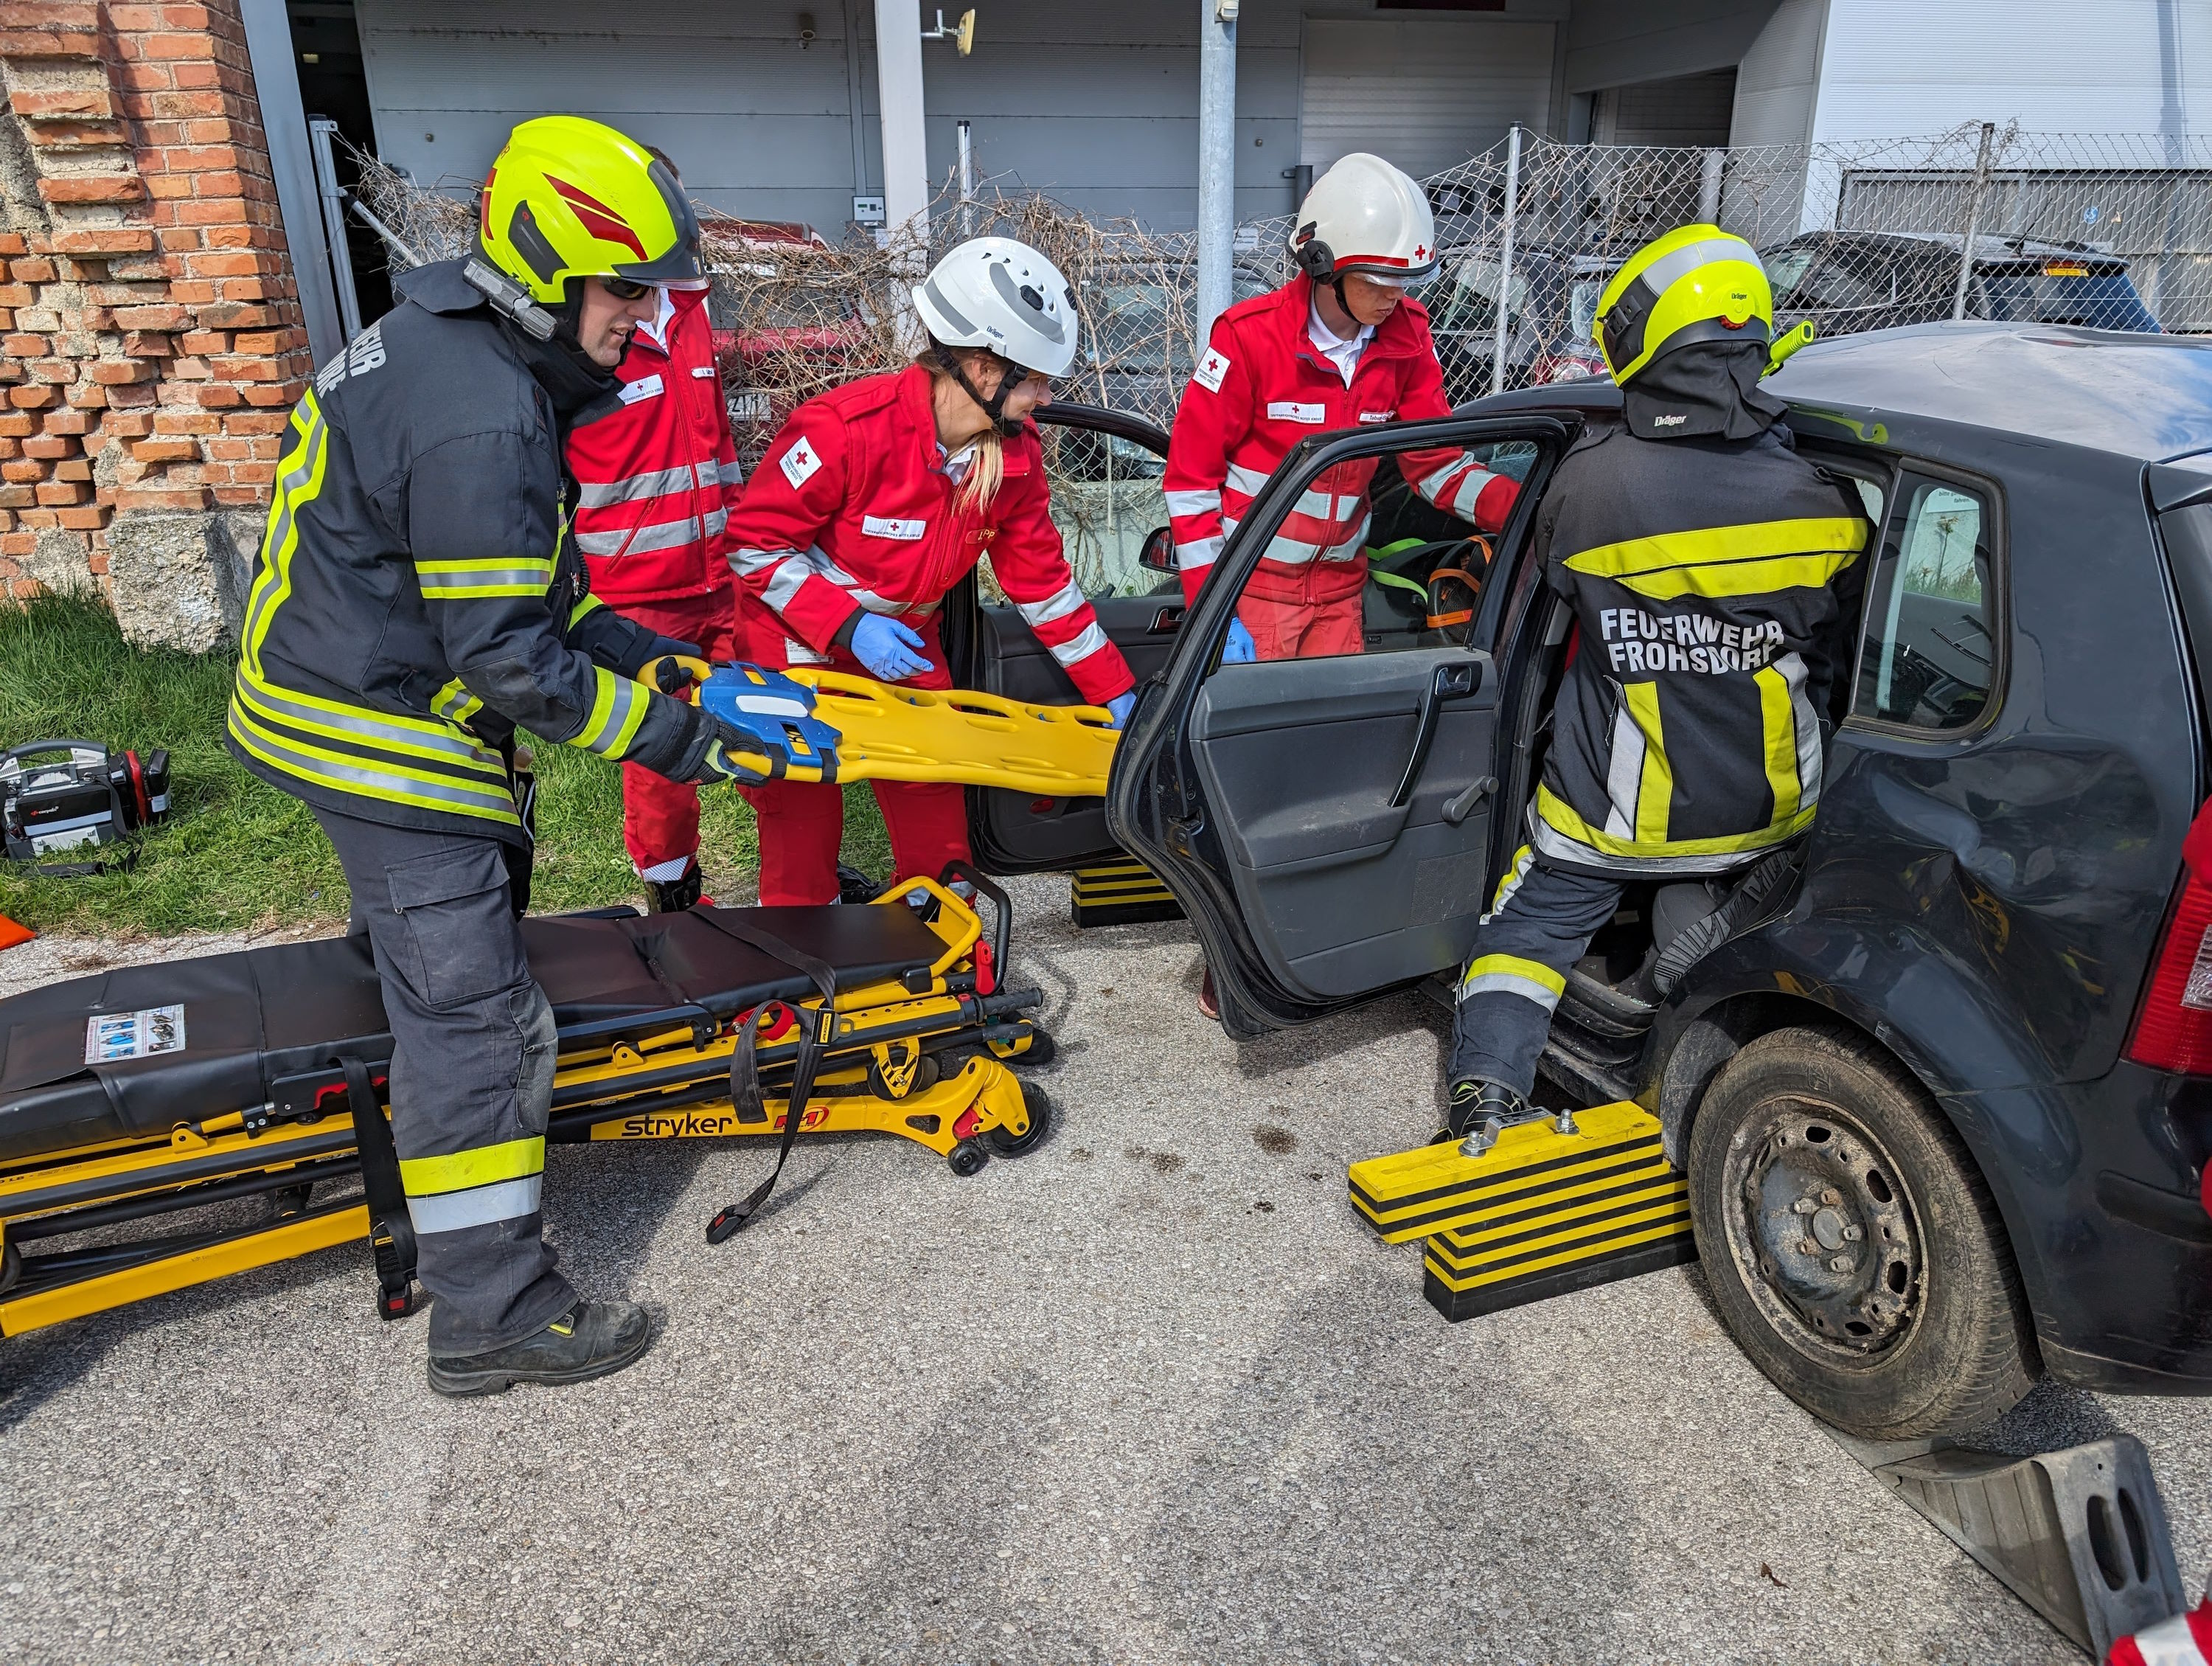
(1106, 500)
(1328, 822)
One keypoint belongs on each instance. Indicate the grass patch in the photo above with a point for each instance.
(236, 853)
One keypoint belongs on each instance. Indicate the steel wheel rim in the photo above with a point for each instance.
(1818, 1220)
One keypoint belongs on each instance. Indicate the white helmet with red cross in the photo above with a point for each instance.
(1365, 215)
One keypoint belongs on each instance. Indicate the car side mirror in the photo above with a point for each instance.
(1158, 553)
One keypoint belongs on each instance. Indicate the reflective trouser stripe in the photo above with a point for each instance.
(1509, 974)
(480, 1205)
(510, 1159)
(1522, 859)
(1655, 790)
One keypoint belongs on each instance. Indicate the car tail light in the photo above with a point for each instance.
(2174, 1030)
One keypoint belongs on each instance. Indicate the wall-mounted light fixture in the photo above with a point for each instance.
(961, 34)
(805, 30)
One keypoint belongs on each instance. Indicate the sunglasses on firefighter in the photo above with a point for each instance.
(625, 288)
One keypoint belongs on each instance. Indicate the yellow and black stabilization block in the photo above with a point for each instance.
(1539, 1214)
(161, 1126)
(1123, 893)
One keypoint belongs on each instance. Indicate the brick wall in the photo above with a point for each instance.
(151, 343)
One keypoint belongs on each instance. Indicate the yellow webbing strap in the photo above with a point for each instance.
(893, 734)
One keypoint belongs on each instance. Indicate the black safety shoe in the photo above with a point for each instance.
(673, 896)
(591, 1339)
(854, 886)
(1481, 1110)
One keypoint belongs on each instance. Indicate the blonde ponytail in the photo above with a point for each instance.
(987, 469)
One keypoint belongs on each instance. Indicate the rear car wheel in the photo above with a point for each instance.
(1853, 1248)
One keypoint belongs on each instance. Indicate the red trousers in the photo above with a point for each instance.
(802, 824)
(1304, 630)
(661, 817)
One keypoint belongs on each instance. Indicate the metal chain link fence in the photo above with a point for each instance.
(2111, 231)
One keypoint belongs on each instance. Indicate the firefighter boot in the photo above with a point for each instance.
(673, 896)
(1482, 1110)
(589, 1340)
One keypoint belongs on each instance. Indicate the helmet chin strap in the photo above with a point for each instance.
(993, 407)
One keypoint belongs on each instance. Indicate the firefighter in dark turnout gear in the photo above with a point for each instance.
(1708, 565)
(416, 601)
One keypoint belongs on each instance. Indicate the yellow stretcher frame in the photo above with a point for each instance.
(892, 733)
(875, 1083)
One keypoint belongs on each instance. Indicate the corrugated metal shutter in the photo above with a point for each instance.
(1423, 93)
(1684, 110)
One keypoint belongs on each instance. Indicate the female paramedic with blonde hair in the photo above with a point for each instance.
(877, 498)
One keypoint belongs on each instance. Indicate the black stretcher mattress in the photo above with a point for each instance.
(257, 1016)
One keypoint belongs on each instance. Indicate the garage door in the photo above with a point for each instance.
(1426, 93)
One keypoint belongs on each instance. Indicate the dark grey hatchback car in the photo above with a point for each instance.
(1942, 1079)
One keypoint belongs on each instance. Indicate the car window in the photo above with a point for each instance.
(1784, 267)
(1425, 565)
(1930, 660)
(1106, 499)
(1582, 310)
(2065, 292)
(1841, 281)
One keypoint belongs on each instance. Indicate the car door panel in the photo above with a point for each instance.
(1335, 878)
(1275, 798)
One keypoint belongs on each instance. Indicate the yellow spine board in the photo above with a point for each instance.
(892, 733)
(1434, 1188)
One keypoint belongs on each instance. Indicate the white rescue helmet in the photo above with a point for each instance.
(1365, 215)
(994, 292)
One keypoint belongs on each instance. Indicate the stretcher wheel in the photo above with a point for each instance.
(967, 1158)
(1042, 1050)
(1039, 1105)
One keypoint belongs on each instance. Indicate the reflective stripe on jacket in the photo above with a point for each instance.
(657, 474)
(851, 511)
(1708, 576)
(414, 600)
(1262, 387)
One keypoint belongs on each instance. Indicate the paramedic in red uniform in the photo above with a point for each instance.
(874, 500)
(1340, 346)
(657, 476)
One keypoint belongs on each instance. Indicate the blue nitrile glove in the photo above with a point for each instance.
(1239, 649)
(888, 648)
(1120, 706)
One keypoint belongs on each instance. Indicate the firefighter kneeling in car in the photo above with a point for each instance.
(1708, 565)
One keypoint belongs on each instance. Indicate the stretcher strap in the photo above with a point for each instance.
(745, 1095)
(391, 1231)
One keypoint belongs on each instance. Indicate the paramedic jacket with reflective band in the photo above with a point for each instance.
(1708, 576)
(850, 510)
(1260, 387)
(657, 473)
(415, 601)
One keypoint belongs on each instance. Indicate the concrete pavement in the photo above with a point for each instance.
(1149, 1394)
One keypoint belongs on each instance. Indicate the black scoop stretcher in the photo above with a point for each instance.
(229, 1091)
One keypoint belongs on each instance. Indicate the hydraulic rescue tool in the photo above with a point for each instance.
(235, 1097)
(65, 795)
(1555, 1204)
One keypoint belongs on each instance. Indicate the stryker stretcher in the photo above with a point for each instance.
(178, 1090)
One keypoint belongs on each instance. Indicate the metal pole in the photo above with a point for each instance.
(967, 180)
(1709, 187)
(1973, 221)
(1506, 255)
(320, 129)
(1216, 158)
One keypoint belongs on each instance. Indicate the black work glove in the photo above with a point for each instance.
(719, 751)
(674, 667)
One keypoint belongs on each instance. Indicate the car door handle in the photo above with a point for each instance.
(1165, 622)
(1455, 681)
